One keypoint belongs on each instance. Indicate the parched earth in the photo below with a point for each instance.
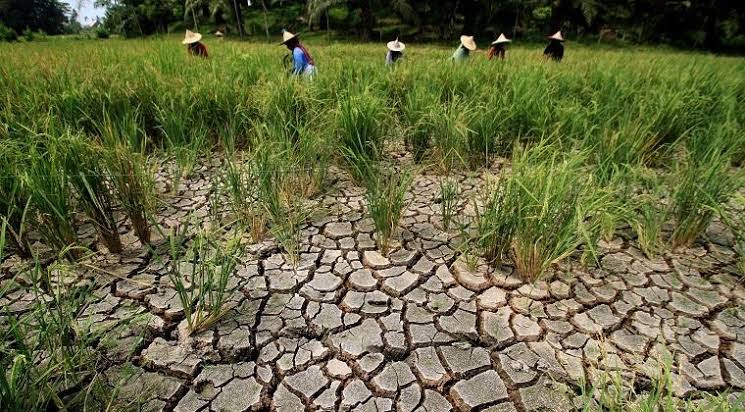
(350, 329)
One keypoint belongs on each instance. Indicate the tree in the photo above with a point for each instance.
(38, 15)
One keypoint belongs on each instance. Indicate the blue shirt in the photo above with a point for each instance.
(300, 61)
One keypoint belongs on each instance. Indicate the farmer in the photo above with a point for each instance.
(467, 45)
(219, 34)
(395, 52)
(193, 45)
(497, 48)
(302, 62)
(555, 50)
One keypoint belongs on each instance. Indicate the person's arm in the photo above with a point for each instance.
(298, 59)
(389, 57)
(490, 54)
(204, 51)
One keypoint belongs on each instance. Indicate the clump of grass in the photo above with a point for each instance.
(51, 198)
(200, 273)
(647, 222)
(415, 116)
(449, 122)
(286, 210)
(386, 199)
(14, 197)
(131, 179)
(703, 183)
(538, 212)
(85, 165)
(49, 361)
(449, 192)
(238, 183)
(361, 127)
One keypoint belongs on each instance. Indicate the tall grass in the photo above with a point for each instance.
(386, 201)
(703, 183)
(361, 121)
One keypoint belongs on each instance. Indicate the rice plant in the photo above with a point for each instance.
(450, 122)
(85, 166)
(415, 116)
(702, 184)
(648, 221)
(14, 198)
(386, 200)
(449, 192)
(131, 179)
(495, 222)
(361, 127)
(52, 199)
(201, 269)
(238, 183)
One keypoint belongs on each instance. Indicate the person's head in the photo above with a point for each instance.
(292, 43)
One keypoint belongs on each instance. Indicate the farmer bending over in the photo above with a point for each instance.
(467, 45)
(497, 48)
(395, 52)
(302, 62)
(555, 50)
(193, 45)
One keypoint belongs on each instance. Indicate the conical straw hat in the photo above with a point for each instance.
(502, 39)
(557, 36)
(468, 42)
(396, 45)
(287, 36)
(219, 33)
(191, 37)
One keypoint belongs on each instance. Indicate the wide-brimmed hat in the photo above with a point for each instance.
(502, 39)
(557, 36)
(191, 37)
(468, 42)
(396, 45)
(287, 36)
(219, 33)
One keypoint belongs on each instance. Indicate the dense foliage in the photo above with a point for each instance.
(48, 16)
(713, 24)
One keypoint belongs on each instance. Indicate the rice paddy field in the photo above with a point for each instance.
(182, 234)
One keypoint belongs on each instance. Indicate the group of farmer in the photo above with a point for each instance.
(303, 64)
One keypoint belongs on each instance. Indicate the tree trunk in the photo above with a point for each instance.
(238, 17)
(368, 19)
(266, 20)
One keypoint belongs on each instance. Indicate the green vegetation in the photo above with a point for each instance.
(644, 148)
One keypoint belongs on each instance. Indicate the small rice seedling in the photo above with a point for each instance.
(200, 272)
(238, 184)
(449, 192)
(85, 165)
(386, 200)
(647, 222)
(495, 222)
(702, 184)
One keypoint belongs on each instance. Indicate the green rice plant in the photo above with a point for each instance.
(386, 200)
(85, 165)
(48, 359)
(288, 105)
(14, 197)
(283, 205)
(551, 196)
(702, 184)
(450, 131)
(51, 197)
(648, 221)
(734, 218)
(131, 178)
(238, 184)
(415, 117)
(361, 123)
(496, 221)
(200, 273)
(449, 192)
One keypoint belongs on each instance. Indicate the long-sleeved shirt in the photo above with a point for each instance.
(301, 63)
(554, 50)
(392, 56)
(198, 49)
(461, 53)
(496, 51)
